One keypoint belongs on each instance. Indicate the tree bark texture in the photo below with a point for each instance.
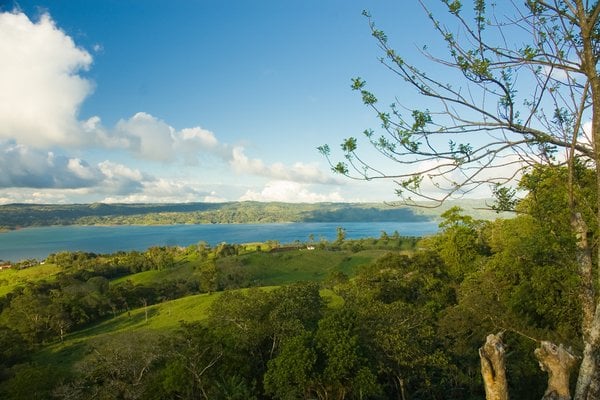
(587, 385)
(558, 363)
(493, 368)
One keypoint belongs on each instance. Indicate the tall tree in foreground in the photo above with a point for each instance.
(517, 87)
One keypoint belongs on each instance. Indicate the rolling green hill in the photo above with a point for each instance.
(260, 268)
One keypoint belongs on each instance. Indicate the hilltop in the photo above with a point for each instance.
(13, 216)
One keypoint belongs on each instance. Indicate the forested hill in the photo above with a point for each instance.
(14, 216)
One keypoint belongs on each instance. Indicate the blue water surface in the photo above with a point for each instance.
(40, 242)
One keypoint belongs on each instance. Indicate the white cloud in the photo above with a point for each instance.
(194, 143)
(298, 172)
(33, 196)
(81, 169)
(149, 137)
(292, 192)
(117, 184)
(205, 139)
(41, 89)
(161, 191)
(442, 177)
(213, 197)
(241, 164)
(25, 167)
(115, 171)
(120, 179)
(587, 134)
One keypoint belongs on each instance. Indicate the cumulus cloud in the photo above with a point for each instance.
(120, 184)
(120, 179)
(41, 86)
(292, 192)
(162, 191)
(442, 177)
(33, 196)
(148, 137)
(25, 167)
(298, 172)
(151, 138)
(203, 138)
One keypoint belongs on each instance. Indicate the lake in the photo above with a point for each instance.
(40, 242)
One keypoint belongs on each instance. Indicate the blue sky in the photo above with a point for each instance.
(154, 101)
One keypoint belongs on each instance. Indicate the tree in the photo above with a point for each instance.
(340, 235)
(345, 371)
(460, 243)
(29, 314)
(193, 353)
(30, 381)
(208, 277)
(13, 349)
(396, 300)
(291, 374)
(522, 83)
(116, 367)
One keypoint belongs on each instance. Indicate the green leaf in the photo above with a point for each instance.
(357, 83)
(422, 118)
(454, 7)
(368, 98)
(340, 168)
(324, 150)
(349, 145)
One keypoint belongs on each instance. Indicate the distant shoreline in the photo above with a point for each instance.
(39, 242)
(15, 216)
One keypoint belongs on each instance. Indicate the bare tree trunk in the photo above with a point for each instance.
(558, 363)
(493, 368)
(586, 388)
(587, 385)
(402, 391)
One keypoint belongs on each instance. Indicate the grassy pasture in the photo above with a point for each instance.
(266, 269)
(12, 278)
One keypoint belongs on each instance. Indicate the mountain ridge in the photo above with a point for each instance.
(21, 215)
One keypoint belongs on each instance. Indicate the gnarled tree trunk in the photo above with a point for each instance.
(493, 368)
(558, 363)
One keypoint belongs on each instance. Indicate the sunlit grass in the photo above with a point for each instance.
(300, 265)
(12, 278)
(161, 318)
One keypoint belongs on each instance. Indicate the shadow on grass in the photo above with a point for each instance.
(124, 321)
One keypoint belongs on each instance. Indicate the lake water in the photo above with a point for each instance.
(40, 242)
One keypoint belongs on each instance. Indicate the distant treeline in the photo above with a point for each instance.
(13, 216)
